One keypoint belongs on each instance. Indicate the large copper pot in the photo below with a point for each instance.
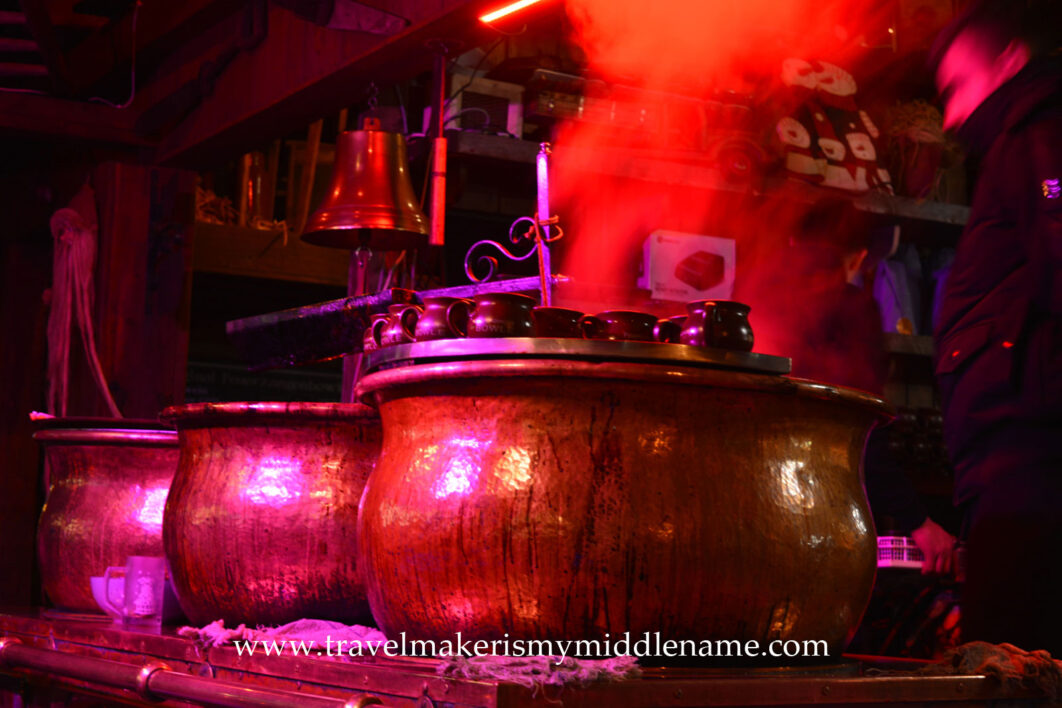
(107, 481)
(564, 500)
(260, 522)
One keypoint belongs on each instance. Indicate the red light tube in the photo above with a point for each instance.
(507, 10)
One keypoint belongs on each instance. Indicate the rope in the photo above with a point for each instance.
(72, 286)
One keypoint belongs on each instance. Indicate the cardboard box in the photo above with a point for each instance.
(683, 267)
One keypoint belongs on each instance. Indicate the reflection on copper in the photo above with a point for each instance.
(783, 617)
(461, 471)
(276, 482)
(665, 531)
(514, 468)
(459, 476)
(659, 440)
(859, 518)
(796, 484)
(150, 513)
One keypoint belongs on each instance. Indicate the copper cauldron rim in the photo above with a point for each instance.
(378, 381)
(193, 415)
(82, 430)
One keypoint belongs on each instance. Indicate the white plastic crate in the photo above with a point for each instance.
(898, 552)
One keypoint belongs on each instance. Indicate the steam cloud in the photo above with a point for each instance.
(674, 76)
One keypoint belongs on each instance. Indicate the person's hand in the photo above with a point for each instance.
(936, 545)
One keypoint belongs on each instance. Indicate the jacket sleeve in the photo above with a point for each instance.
(1044, 154)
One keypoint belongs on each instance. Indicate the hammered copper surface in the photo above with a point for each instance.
(107, 488)
(260, 523)
(567, 500)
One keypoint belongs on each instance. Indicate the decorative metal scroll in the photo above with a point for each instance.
(538, 234)
(533, 235)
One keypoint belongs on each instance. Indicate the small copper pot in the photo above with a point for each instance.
(260, 522)
(107, 483)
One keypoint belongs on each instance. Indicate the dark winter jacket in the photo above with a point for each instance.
(998, 337)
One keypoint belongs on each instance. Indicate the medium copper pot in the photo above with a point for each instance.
(107, 482)
(260, 522)
(564, 500)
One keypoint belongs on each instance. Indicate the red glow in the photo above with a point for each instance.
(1008, 345)
(507, 10)
(677, 123)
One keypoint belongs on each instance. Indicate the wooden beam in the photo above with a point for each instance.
(8, 44)
(28, 113)
(301, 72)
(7, 17)
(40, 24)
(160, 28)
(12, 69)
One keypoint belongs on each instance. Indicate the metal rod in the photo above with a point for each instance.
(544, 265)
(357, 275)
(324, 330)
(156, 681)
(438, 163)
(542, 179)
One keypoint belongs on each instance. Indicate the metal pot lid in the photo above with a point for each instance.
(577, 349)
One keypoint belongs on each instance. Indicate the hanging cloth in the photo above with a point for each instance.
(73, 264)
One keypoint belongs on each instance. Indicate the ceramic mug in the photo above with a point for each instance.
(370, 340)
(620, 325)
(669, 330)
(443, 318)
(557, 322)
(501, 315)
(718, 323)
(401, 324)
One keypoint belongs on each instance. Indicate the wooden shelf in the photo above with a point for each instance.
(257, 253)
(498, 147)
(914, 345)
(692, 170)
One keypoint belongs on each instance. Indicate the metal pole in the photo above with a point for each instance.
(357, 273)
(438, 163)
(544, 266)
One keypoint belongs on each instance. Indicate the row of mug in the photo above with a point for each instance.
(711, 323)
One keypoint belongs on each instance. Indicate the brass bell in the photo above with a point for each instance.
(370, 203)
